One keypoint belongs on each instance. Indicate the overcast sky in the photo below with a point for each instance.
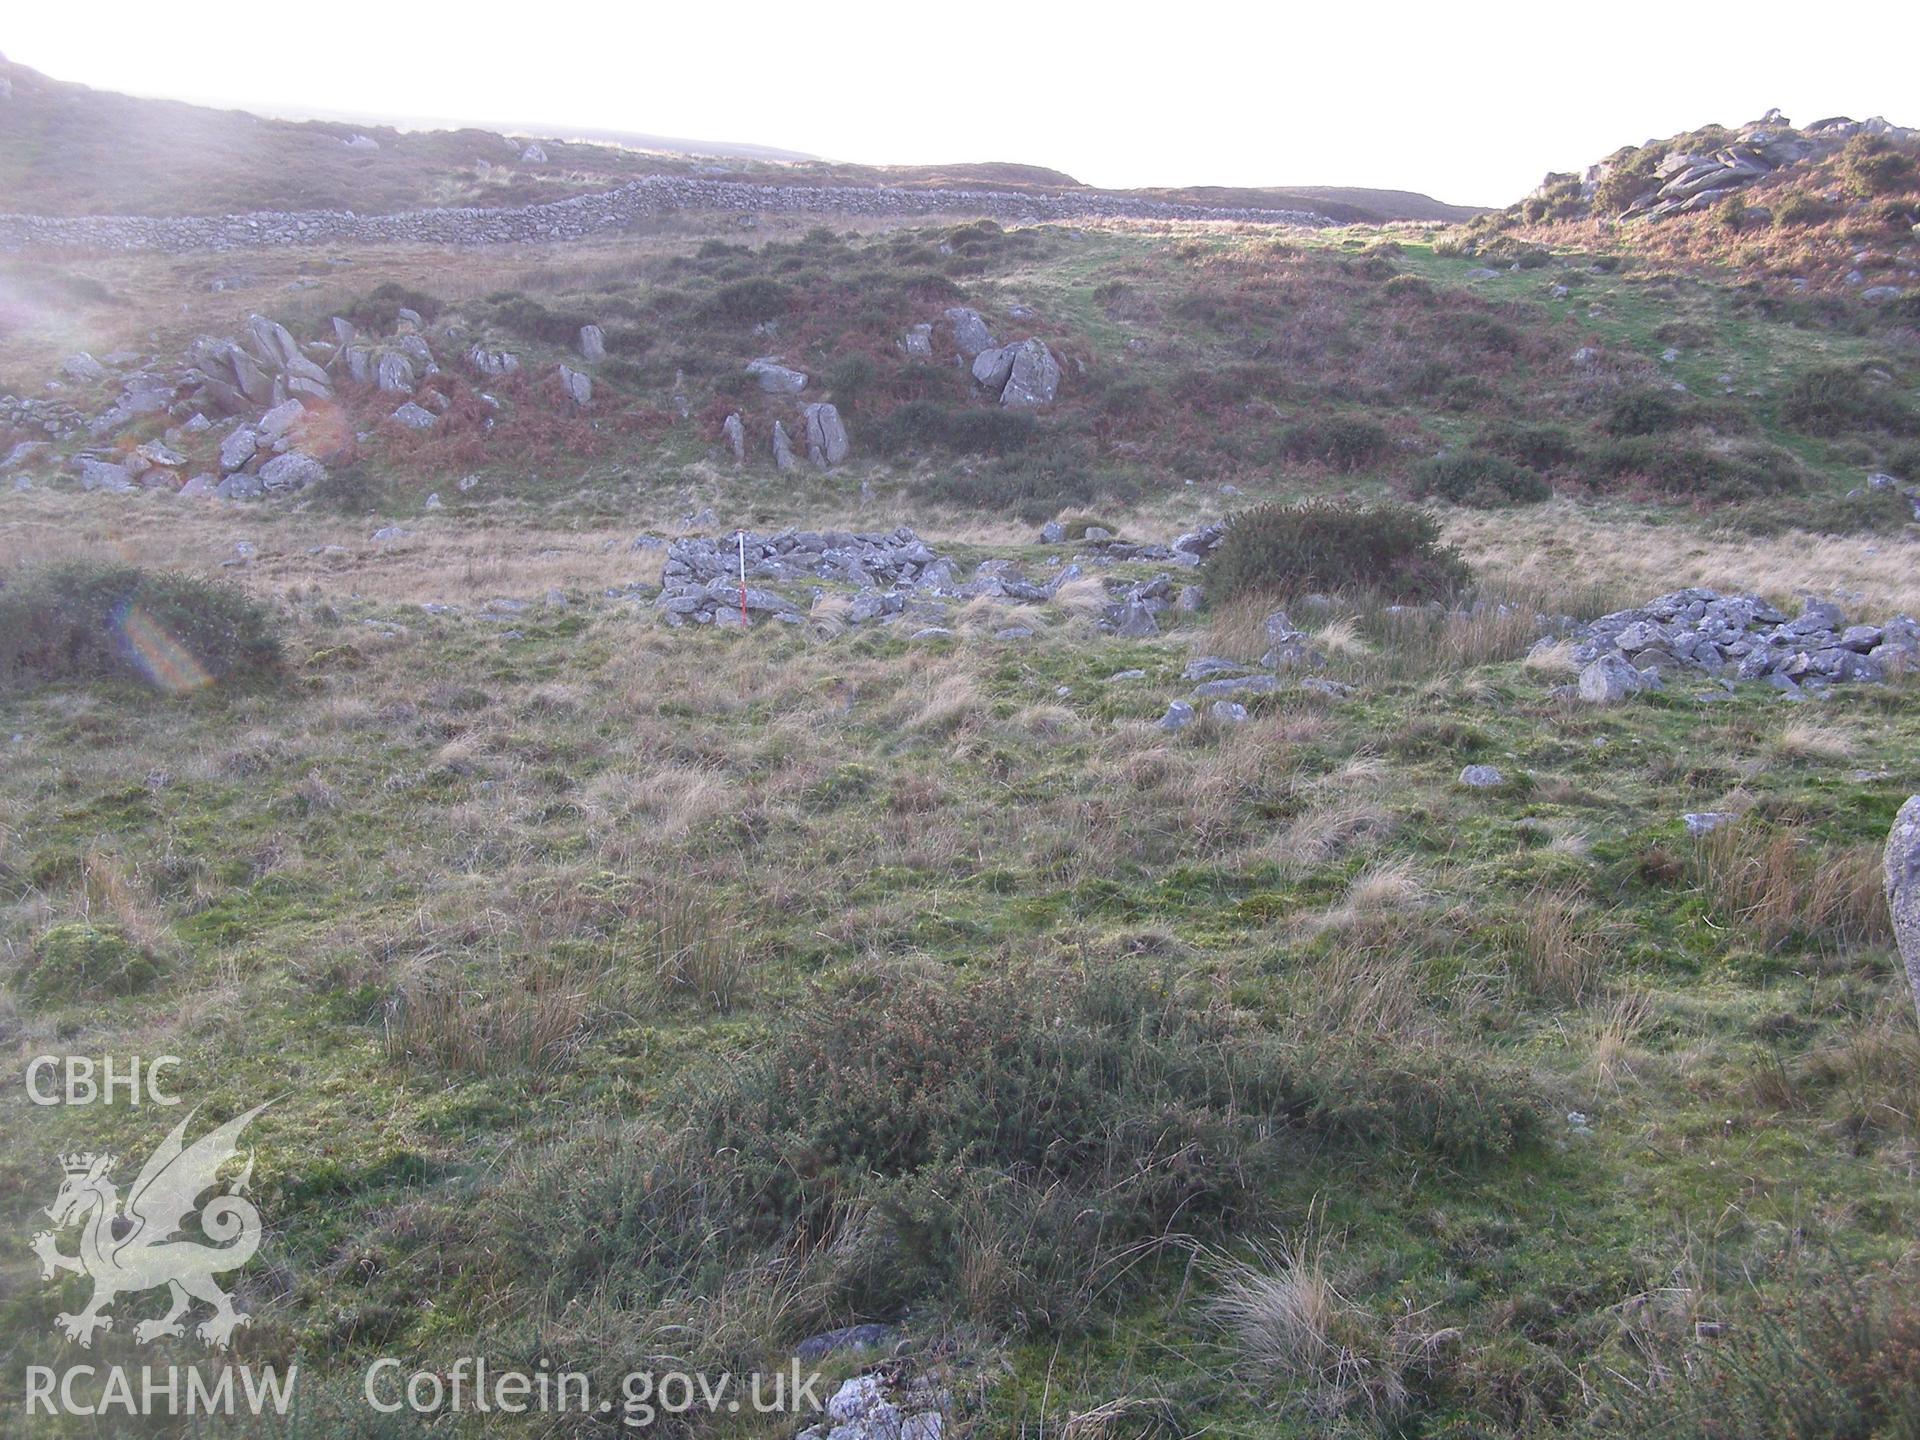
(1471, 103)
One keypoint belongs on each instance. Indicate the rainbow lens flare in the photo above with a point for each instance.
(161, 658)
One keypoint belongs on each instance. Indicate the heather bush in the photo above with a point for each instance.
(1539, 447)
(1830, 399)
(1874, 166)
(1344, 442)
(379, 309)
(1684, 469)
(748, 302)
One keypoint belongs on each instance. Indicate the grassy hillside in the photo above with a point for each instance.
(642, 997)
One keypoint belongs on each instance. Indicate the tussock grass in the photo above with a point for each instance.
(1775, 886)
(1294, 1337)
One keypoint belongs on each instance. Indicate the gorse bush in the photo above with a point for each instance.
(1391, 550)
(1477, 479)
(87, 621)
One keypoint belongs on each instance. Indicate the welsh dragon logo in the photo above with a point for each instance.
(139, 1246)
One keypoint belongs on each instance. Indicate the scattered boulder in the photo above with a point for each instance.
(492, 363)
(533, 155)
(577, 385)
(1034, 378)
(775, 378)
(393, 372)
(734, 430)
(992, 368)
(782, 448)
(1903, 889)
(1235, 685)
(1611, 679)
(278, 422)
(292, 471)
(970, 332)
(835, 1342)
(593, 342)
(83, 368)
(826, 436)
(240, 486)
(1228, 712)
(100, 475)
(415, 417)
(1705, 822)
(1179, 715)
(1482, 777)
(918, 342)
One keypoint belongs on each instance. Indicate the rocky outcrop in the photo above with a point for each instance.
(1695, 173)
(1903, 889)
(580, 216)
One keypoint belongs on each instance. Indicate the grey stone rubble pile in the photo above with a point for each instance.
(584, 215)
(861, 1409)
(701, 578)
(895, 575)
(1190, 549)
(55, 418)
(1702, 632)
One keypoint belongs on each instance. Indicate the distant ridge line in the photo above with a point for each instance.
(579, 216)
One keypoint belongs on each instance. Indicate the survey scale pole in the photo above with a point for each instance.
(743, 580)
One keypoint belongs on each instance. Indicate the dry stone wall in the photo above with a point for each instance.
(582, 216)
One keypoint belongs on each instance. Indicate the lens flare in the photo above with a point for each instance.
(161, 658)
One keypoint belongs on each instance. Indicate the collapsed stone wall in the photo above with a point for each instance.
(581, 216)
